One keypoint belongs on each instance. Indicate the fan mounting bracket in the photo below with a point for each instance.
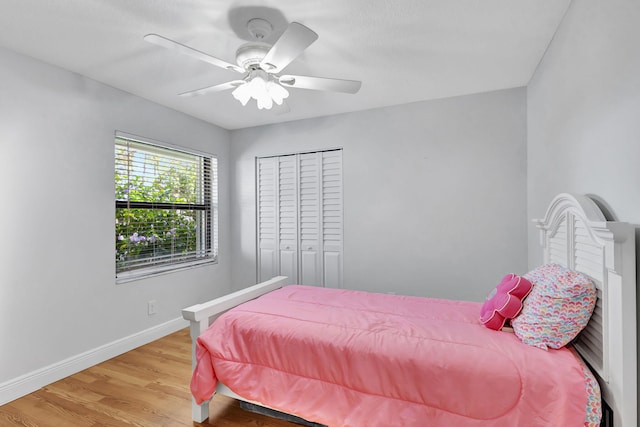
(259, 28)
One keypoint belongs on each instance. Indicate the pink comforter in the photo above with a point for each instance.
(348, 358)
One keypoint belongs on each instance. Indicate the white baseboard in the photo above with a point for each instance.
(32, 381)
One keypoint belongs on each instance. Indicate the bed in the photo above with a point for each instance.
(408, 362)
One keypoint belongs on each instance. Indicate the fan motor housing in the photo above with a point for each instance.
(251, 54)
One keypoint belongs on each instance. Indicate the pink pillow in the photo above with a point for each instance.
(558, 308)
(505, 301)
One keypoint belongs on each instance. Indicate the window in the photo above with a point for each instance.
(166, 208)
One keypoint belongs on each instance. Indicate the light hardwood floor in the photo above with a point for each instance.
(144, 387)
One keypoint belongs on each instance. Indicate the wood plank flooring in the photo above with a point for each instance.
(148, 386)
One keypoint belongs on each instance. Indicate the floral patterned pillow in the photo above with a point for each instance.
(505, 301)
(558, 308)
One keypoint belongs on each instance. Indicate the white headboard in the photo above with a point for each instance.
(575, 233)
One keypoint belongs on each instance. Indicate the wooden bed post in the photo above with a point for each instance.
(202, 315)
(199, 413)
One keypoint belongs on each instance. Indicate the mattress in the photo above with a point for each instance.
(349, 358)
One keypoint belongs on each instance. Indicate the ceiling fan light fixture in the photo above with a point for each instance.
(242, 93)
(277, 92)
(263, 88)
(258, 88)
(264, 103)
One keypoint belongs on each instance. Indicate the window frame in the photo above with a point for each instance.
(209, 205)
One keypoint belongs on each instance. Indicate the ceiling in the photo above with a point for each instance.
(402, 50)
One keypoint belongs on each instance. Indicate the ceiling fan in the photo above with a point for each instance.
(262, 64)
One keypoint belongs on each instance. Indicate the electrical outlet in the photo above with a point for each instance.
(152, 307)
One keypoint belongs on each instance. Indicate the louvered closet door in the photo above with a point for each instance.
(288, 216)
(332, 218)
(267, 196)
(300, 228)
(310, 214)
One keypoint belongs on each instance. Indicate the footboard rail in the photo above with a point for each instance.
(202, 315)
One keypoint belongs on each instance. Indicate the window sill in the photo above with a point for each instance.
(146, 273)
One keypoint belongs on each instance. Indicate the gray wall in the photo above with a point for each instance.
(434, 192)
(583, 108)
(58, 296)
(584, 113)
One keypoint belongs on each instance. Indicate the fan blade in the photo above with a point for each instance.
(170, 44)
(295, 39)
(321, 83)
(215, 88)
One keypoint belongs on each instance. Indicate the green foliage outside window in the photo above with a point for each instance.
(167, 227)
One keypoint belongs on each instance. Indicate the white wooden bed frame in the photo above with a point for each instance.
(574, 233)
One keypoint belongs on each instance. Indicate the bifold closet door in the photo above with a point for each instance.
(331, 221)
(277, 227)
(287, 224)
(299, 207)
(267, 170)
(309, 218)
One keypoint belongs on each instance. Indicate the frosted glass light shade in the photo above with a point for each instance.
(242, 93)
(263, 88)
